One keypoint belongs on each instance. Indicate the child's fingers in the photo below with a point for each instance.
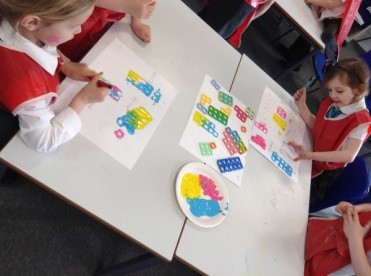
(94, 78)
(367, 226)
(344, 206)
(90, 71)
(354, 215)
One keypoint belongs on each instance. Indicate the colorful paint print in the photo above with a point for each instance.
(219, 118)
(139, 98)
(202, 195)
(276, 124)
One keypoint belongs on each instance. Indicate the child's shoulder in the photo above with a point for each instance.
(17, 62)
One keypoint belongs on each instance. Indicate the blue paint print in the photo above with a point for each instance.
(215, 84)
(145, 87)
(156, 96)
(204, 207)
(202, 108)
(278, 160)
(229, 164)
(127, 121)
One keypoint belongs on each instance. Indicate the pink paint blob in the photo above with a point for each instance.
(53, 39)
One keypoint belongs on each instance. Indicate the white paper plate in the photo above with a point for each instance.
(206, 209)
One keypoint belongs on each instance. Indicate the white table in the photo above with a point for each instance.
(139, 203)
(303, 18)
(265, 229)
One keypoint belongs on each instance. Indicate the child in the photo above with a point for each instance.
(30, 30)
(106, 12)
(231, 18)
(330, 13)
(334, 243)
(340, 127)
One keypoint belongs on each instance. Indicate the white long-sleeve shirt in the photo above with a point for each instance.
(40, 128)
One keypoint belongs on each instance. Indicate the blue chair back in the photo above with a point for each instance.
(319, 61)
(352, 185)
(367, 58)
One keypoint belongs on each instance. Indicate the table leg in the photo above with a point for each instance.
(302, 33)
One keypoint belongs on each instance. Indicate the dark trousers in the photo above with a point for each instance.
(225, 16)
(8, 127)
(321, 185)
(328, 36)
(195, 5)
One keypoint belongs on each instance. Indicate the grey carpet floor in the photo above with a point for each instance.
(42, 235)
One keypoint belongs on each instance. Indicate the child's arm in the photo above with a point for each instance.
(141, 30)
(44, 130)
(137, 8)
(343, 206)
(365, 207)
(300, 97)
(90, 93)
(345, 155)
(325, 3)
(75, 70)
(355, 234)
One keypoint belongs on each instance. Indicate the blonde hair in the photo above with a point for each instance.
(50, 11)
(354, 73)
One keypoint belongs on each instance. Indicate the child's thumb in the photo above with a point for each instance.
(95, 77)
(368, 226)
(98, 76)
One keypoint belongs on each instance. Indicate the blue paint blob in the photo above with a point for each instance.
(204, 207)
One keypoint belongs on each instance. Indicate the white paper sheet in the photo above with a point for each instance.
(123, 124)
(204, 131)
(276, 124)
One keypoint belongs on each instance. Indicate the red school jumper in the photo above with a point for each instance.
(327, 248)
(23, 79)
(329, 134)
(91, 31)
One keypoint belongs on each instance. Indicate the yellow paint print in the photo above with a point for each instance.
(190, 186)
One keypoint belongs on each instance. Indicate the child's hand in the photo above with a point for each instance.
(90, 93)
(140, 8)
(302, 154)
(352, 227)
(300, 96)
(142, 31)
(77, 71)
(342, 207)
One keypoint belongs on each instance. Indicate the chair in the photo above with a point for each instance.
(319, 61)
(367, 58)
(352, 185)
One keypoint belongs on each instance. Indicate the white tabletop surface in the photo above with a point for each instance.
(264, 231)
(139, 203)
(304, 18)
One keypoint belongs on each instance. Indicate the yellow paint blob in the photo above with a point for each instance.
(190, 186)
